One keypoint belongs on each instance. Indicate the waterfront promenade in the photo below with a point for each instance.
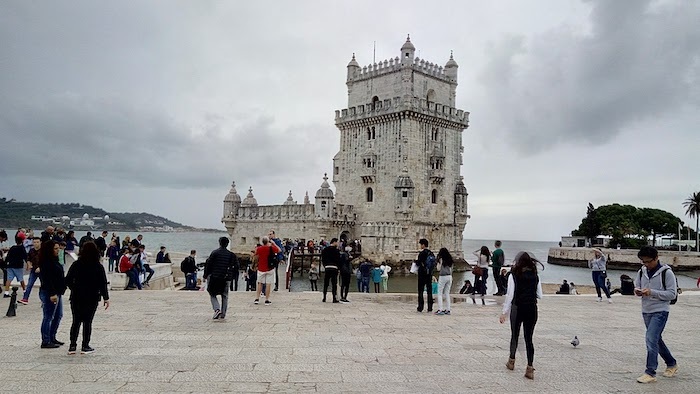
(165, 341)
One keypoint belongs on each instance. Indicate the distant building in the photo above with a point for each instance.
(396, 174)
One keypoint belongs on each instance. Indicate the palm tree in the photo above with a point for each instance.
(692, 209)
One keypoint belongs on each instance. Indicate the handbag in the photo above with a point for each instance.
(414, 268)
(476, 270)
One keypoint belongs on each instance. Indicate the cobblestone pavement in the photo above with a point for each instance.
(165, 341)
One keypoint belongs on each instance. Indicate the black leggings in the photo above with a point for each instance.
(344, 285)
(83, 312)
(527, 316)
(331, 275)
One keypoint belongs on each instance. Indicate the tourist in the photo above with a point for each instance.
(48, 234)
(564, 288)
(218, 271)
(524, 288)
(16, 260)
(188, 266)
(358, 275)
(33, 260)
(424, 275)
(330, 258)
(266, 275)
(3, 264)
(136, 242)
(53, 285)
(626, 286)
(597, 265)
(128, 266)
(87, 282)
(86, 238)
(386, 268)
(280, 256)
(345, 270)
(483, 255)
(145, 266)
(366, 273)
(313, 276)
(467, 288)
(498, 259)
(657, 286)
(112, 256)
(572, 289)
(445, 265)
(377, 278)
(101, 243)
(126, 242)
(503, 277)
(160, 257)
(71, 242)
(251, 278)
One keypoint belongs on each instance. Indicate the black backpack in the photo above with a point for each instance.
(272, 259)
(663, 282)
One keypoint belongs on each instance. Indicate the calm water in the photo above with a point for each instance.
(204, 243)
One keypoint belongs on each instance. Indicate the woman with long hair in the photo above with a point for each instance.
(53, 285)
(71, 241)
(445, 263)
(524, 288)
(483, 256)
(88, 283)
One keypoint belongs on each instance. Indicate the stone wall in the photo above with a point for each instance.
(625, 259)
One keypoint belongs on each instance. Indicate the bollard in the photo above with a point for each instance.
(12, 309)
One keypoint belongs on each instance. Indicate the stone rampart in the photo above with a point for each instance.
(625, 259)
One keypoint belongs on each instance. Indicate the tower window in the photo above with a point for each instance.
(404, 193)
(374, 135)
(323, 205)
(433, 196)
(369, 133)
(370, 194)
(337, 170)
(406, 54)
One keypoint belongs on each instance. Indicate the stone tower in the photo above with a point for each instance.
(400, 155)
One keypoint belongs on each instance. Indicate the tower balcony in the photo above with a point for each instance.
(436, 175)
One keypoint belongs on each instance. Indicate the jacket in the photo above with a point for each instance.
(87, 282)
(52, 279)
(221, 264)
(660, 299)
(330, 257)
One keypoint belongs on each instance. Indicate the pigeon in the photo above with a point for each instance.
(575, 341)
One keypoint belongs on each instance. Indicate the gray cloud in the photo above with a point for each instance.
(638, 61)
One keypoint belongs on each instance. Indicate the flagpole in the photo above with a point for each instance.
(679, 236)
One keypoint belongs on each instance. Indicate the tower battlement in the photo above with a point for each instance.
(397, 105)
(394, 65)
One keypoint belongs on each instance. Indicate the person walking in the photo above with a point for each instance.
(53, 286)
(425, 262)
(266, 273)
(497, 260)
(345, 270)
(330, 258)
(656, 285)
(482, 255)
(33, 260)
(523, 290)
(445, 264)
(16, 262)
(218, 272)
(87, 282)
(597, 265)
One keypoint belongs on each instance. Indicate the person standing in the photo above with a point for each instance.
(188, 266)
(445, 264)
(365, 271)
(377, 278)
(330, 258)
(218, 271)
(33, 260)
(425, 277)
(345, 270)
(86, 238)
(112, 256)
(656, 284)
(87, 282)
(280, 256)
(313, 277)
(482, 255)
(101, 243)
(497, 260)
(16, 260)
(597, 265)
(53, 285)
(266, 275)
(386, 268)
(524, 288)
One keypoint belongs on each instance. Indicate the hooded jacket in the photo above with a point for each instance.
(660, 299)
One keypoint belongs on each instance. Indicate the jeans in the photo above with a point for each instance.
(112, 263)
(499, 282)
(224, 301)
(655, 323)
(599, 282)
(344, 285)
(525, 315)
(359, 285)
(83, 313)
(133, 278)
(425, 281)
(331, 276)
(32, 278)
(191, 280)
(147, 268)
(365, 284)
(444, 285)
(53, 313)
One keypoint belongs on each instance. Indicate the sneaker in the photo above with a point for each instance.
(50, 345)
(609, 300)
(72, 349)
(671, 371)
(86, 350)
(267, 302)
(599, 299)
(448, 312)
(217, 314)
(439, 313)
(256, 302)
(6, 296)
(646, 378)
(59, 343)
(344, 301)
(23, 301)
(335, 301)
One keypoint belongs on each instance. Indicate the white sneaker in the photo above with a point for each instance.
(599, 299)
(609, 300)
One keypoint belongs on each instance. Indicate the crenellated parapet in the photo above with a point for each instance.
(394, 65)
(286, 212)
(396, 106)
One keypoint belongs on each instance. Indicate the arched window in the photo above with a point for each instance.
(433, 196)
(369, 133)
(374, 102)
(370, 194)
(374, 135)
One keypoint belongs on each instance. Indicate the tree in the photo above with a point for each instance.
(656, 222)
(692, 209)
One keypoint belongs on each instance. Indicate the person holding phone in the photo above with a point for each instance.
(598, 271)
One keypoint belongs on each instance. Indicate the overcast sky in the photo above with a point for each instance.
(158, 105)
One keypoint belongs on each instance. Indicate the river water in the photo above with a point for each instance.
(204, 243)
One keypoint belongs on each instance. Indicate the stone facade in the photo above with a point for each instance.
(396, 174)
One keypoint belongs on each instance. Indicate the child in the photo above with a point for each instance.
(377, 278)
(434, 287)
(572, 289)
(313, 277)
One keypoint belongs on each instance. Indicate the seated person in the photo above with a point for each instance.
(626, 286)
(564, 288)
(572, 289)
(467, 288)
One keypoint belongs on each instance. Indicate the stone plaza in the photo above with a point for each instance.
(165, 341)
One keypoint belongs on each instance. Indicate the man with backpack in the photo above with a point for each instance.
(188, 266)
(267, 262)
(426, 264)
(218, 272)
(657, 286)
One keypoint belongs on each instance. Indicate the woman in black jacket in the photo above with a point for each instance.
(88, 282)
(53, 285)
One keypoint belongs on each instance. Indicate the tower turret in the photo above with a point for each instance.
(324, 200)
(408, 52)
(451, 68)
(250, 200)
(353, 68)
(231, 202)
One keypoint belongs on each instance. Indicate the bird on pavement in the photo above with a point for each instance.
(575, 341)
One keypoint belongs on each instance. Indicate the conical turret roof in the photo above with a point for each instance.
(250, 200)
